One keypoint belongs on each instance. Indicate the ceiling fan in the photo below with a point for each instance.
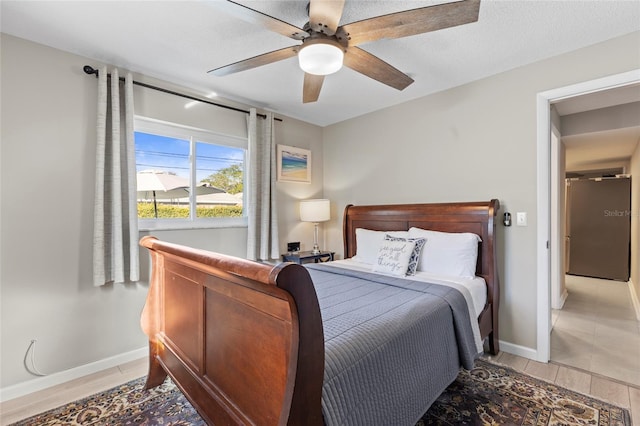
(327, 45)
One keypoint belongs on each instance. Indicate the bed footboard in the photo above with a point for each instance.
(242, 340)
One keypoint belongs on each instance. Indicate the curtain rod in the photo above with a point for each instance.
(88, 69)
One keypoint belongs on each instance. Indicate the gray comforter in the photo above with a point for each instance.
(391, 345)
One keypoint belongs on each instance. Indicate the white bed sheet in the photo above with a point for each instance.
(474, 289)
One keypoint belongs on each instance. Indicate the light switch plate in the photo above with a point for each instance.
(521, 218)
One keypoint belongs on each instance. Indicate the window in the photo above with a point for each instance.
(188, 178)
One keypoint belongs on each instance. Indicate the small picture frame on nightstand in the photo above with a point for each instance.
(308, 257)
(293, 247)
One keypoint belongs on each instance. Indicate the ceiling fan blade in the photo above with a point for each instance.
(311, 88)
(411, 22)
(324, 15)
(254, 17)
(256, 61)
(374, 67)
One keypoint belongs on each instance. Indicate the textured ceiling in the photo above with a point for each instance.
(179, 41)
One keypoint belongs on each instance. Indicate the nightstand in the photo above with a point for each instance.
(308, 257)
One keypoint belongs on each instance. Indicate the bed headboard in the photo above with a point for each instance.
(476, 217)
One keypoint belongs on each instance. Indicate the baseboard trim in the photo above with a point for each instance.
(634, 299)
(30, 386)
(522, 351)
(563, 298)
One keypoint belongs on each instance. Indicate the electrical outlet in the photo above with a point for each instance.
(521, 218)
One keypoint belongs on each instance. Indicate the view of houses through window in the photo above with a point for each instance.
(172, 162)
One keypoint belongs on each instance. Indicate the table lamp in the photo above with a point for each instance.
(315, 211)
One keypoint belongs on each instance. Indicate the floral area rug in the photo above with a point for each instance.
(495, 395)
(487, 395)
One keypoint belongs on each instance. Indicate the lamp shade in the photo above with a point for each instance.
(315, 210)
(320, 58)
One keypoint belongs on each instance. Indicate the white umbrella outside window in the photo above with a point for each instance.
(161, 185)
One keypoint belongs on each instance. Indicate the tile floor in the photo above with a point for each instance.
(597, 330)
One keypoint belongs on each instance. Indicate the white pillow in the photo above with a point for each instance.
(448, 253)
(368, 242)
(393, 257)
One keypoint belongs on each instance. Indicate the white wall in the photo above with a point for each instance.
(47, 182)
(472, 142)
(601, 119)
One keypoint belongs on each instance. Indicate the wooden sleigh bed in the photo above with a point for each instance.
(244, 341)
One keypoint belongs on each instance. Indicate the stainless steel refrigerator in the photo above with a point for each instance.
(599, 227)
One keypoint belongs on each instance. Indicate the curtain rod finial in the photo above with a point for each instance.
(88, 69)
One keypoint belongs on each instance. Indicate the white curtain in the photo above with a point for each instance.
(115, 230)
(262, 235)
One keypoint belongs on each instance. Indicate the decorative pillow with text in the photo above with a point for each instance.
(393, 257)
(412, 268)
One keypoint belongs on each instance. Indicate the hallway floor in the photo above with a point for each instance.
(597, 330)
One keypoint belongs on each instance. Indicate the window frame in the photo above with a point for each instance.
(194, 135)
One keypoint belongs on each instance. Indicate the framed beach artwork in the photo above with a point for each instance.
(294, 164)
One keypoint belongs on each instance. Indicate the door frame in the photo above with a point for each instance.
(558, 232)
(544, 182)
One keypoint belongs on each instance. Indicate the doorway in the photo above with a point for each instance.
(596, 329)
(544, 120)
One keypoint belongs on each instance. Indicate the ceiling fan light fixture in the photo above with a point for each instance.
(320, 58)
